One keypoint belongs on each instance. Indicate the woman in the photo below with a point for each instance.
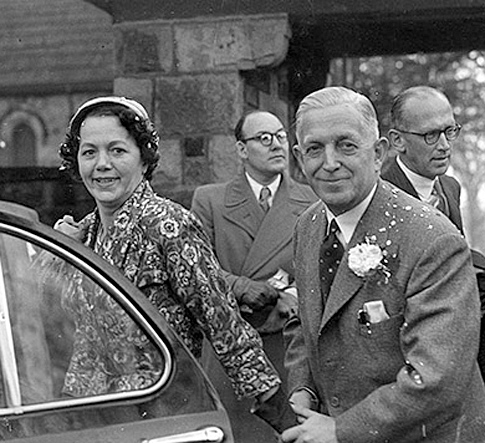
(112, 146)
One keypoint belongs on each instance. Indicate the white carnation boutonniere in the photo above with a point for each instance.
(368, 260)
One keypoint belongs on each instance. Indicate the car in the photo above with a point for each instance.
(38, 337)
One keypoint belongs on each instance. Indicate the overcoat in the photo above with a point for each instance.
(246, 242)
(412, 376)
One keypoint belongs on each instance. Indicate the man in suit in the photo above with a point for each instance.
(422, 134)
(423, 131)
(252, 237)
(386, 352)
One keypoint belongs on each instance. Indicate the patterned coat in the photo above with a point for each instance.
(163, 250)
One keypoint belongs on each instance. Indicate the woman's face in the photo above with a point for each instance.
(110, 163)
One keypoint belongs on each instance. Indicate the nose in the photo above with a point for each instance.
(331, 161)
(443, 143)
(277, 144)
(103, 160)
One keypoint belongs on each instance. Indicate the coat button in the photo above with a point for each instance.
(334, 402)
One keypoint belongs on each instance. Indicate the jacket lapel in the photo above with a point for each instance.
(453, 203)
(309, 268)
(275, 231)
(241, 207)
(346, 283)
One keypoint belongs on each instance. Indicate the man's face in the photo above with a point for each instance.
(422, 116)
(263, 163)
(339, 157)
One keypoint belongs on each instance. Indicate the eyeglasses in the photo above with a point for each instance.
(432, 137)
(266, 138)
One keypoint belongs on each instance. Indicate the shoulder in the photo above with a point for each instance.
(210, 191)
(315, 213)
(450, 182)
(398, 213)
(300, 191)
(164, 218)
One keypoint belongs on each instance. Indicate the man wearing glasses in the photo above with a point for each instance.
(250, 222)
(423, 131)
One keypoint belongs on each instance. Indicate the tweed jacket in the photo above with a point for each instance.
(245, 241)
(409, 377)
(451, 188)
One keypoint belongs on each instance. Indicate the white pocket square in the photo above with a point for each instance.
(376, 311)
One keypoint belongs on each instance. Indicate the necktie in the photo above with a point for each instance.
(331, 252)
(264, 198)
(438, 199)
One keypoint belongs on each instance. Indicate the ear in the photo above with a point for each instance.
(396, 140)
(242, 150)
(381, 148)
(299, 156)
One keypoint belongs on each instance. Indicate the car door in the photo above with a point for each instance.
(85, 357)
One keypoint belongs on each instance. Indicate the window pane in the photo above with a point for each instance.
(70, 338)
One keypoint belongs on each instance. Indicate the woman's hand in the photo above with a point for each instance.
(67, 225)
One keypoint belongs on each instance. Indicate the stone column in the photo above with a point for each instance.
(196, 77)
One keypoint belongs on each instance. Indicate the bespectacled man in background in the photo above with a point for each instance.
(250, 222)
(423, 132)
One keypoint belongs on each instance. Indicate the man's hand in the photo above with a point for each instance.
(316, 428)
(303, 399)
(257, 295)
(286, 306)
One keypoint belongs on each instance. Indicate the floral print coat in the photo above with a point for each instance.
(162, 248)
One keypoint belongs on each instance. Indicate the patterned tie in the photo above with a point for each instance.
(331, 253)
(438, 199)
(264, 198)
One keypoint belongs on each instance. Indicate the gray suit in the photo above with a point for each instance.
(414, 373)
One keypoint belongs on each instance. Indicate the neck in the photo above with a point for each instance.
(106, 216)
(262, 179)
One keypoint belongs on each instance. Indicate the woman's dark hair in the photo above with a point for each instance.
(141, 129)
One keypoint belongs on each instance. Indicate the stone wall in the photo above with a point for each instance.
(196, 77)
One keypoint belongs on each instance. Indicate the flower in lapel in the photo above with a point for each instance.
(368, 260)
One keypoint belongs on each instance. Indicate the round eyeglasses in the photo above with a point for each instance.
(432, 137)
(266, 138)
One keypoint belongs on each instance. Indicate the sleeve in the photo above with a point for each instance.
(201, 207)
(196, 277)
(439, 342)
(296, 356)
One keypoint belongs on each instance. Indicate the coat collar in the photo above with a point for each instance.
(270, 233)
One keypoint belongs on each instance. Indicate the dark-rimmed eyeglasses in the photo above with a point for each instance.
(266, 138)
(432, 137)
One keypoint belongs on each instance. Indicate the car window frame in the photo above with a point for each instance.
(114, 283)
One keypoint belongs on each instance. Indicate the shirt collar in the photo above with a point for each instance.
(256, 186)
(423, 185)
(347, 221)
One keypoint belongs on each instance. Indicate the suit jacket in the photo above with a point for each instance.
(246, 241)
(451, 188)
(413, 374)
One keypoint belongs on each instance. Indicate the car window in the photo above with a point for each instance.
(75, 354)
(63, 336)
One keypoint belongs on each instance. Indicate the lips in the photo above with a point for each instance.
(105, 181)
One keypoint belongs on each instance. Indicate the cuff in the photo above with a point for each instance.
(276, 411)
